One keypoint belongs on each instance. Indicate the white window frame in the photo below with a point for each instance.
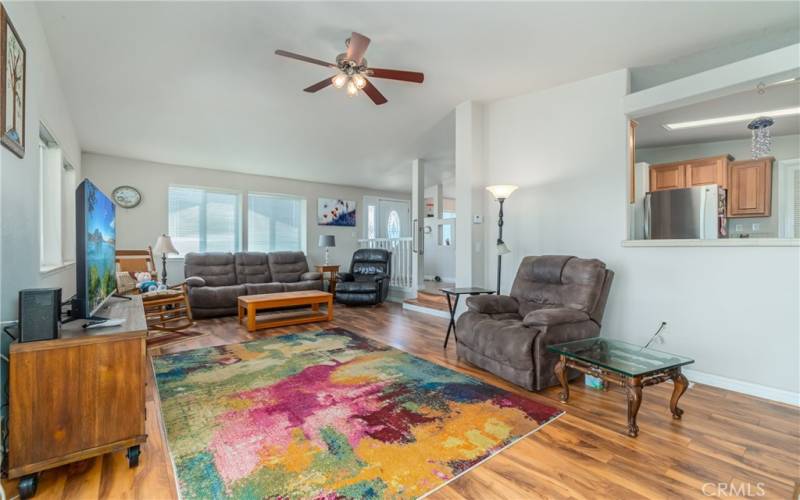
(787, 169)
(303, 216)
(56, 205)
(241, 205)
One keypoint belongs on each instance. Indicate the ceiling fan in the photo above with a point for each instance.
(352, 70)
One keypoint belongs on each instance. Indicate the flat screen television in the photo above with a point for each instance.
(95, 236)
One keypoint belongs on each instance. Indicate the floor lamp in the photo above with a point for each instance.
(501, 193)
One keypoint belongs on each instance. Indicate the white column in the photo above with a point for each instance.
(417, 223)
(470, 195)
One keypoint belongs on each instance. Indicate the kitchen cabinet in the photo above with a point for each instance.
(690, 173)
(672, 176)
(750, 192)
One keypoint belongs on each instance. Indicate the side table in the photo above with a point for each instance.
(631, 366)
(453, 304)
(332, 270)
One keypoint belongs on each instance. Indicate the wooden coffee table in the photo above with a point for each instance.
(250, 305)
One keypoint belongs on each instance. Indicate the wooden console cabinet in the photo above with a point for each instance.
(78, 396)
(750, 193)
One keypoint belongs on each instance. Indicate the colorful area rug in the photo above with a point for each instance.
(329, 415)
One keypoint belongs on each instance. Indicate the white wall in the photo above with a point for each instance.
(20, 177)
(734, 310)
(140, 226)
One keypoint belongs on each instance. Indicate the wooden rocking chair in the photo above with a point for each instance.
(166, 310)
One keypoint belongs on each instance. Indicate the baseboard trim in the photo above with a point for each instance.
(760, 391)
(426, 310)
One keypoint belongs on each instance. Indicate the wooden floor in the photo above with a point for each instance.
(724, 437)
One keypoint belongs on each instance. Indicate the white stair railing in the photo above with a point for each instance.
(401, 258)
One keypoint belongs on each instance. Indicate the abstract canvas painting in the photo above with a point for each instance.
(12, 90)
(333, 212)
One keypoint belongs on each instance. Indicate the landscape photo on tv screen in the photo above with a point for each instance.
(100, 247)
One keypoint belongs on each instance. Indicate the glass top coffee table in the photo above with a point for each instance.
(628, 365)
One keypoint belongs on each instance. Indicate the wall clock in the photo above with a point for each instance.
(127, 196)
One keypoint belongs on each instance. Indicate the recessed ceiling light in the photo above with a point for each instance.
(731, 119)
(783, 82)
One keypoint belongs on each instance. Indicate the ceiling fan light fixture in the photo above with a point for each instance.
(352, 71)
(339, 80)
(352, 89)
(360, 81)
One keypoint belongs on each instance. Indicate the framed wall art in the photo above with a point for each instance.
(335, 212)
(12, 91)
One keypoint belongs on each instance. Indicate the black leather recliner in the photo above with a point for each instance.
(367, 283)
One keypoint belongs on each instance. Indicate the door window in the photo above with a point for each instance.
(393, 225)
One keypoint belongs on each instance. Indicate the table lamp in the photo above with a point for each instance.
(164, 246)
(327, 241)
(501, 193)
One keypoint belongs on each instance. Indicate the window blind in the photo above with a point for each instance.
(204, 220)
(275, 223)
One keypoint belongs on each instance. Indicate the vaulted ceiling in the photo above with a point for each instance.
(198, 84)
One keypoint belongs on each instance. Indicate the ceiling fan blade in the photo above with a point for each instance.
(311, 60)
(395, 74)
(374, 94)
(319, 85)
(356, 47)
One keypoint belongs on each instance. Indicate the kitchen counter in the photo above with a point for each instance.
(723, 242)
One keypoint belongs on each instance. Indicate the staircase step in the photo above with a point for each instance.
(434, 303)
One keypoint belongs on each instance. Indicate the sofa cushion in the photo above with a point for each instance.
(490, 304)
(559, 280)
(554, 316)
(527, 306)
(507, 341)
(301, 285)
(357, 287)
(216, 268)
(216, 296)
(259, 288)
(252, 267)
(287, 267)
(195, 281)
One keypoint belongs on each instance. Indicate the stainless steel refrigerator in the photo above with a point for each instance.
(688, 213)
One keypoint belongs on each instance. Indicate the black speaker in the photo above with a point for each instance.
(39, 314)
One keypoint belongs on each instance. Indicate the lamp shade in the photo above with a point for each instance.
(164, 245)
(327, 240)
(501, 191)
(502, 249)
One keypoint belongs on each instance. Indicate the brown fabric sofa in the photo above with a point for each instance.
(217, 280)
(554, 298)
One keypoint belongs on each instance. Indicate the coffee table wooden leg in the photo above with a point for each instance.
(561, 375)
(330, 308)
(634, 392)
(251, 317)
(680, 386)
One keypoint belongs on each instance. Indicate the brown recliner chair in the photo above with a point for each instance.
(554, 299)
